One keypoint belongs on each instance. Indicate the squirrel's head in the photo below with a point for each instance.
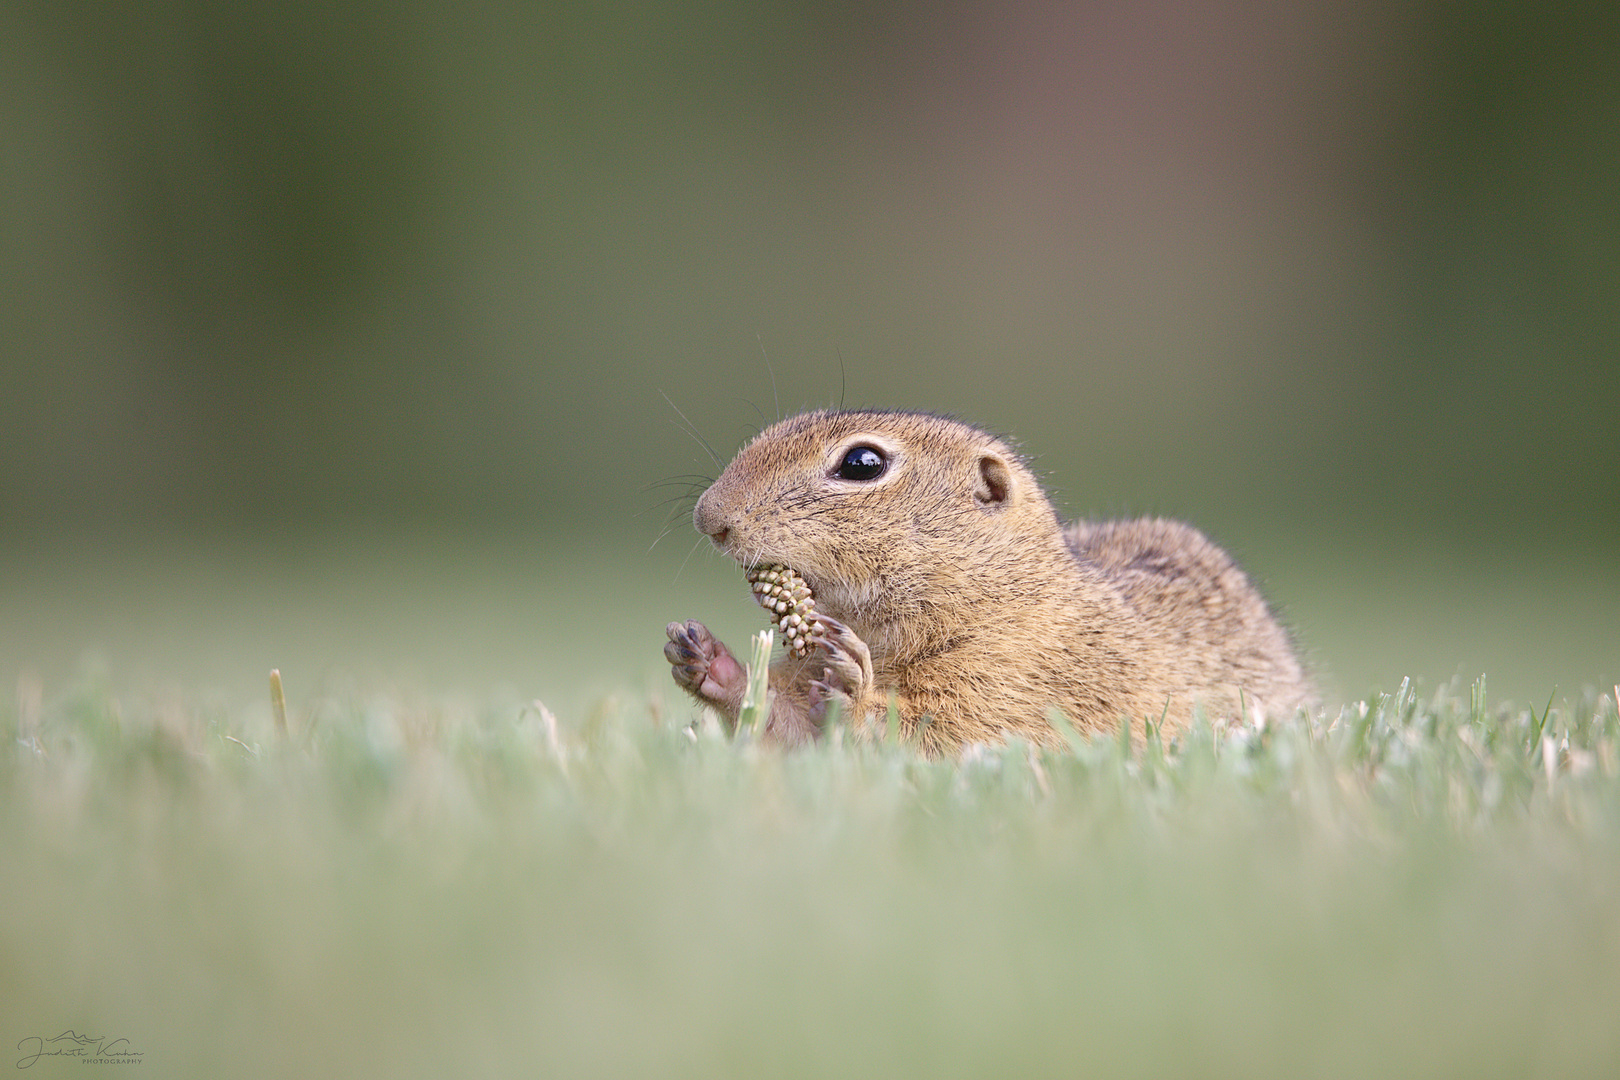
(879, 512)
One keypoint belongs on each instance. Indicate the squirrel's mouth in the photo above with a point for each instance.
(780, 590)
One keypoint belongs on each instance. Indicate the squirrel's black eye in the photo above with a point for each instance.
(862, 463)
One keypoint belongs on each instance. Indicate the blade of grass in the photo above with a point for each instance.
(1076, 744)
(278, 702)
(756, 707)
(1539, 726)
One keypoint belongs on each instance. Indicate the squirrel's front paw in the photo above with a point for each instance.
(847, 676)
(703, 666)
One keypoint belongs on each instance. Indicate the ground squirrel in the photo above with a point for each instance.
(913, 559)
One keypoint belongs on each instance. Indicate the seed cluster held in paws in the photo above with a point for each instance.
(782, 592)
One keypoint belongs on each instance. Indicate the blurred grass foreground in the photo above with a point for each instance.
(384, 886)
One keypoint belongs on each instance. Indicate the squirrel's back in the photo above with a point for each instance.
(1198, 601)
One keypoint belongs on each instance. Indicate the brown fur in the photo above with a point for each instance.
(949, 587)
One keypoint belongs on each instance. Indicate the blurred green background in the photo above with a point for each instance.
(338, 337)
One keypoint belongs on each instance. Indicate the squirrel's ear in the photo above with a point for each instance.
(995, 481)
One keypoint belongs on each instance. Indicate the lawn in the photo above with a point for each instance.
(397, 884)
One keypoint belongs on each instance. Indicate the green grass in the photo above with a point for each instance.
(1421, 886)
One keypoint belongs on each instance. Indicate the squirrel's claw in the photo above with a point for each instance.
(702, 666)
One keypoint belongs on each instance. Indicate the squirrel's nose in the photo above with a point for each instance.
(709, 521)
